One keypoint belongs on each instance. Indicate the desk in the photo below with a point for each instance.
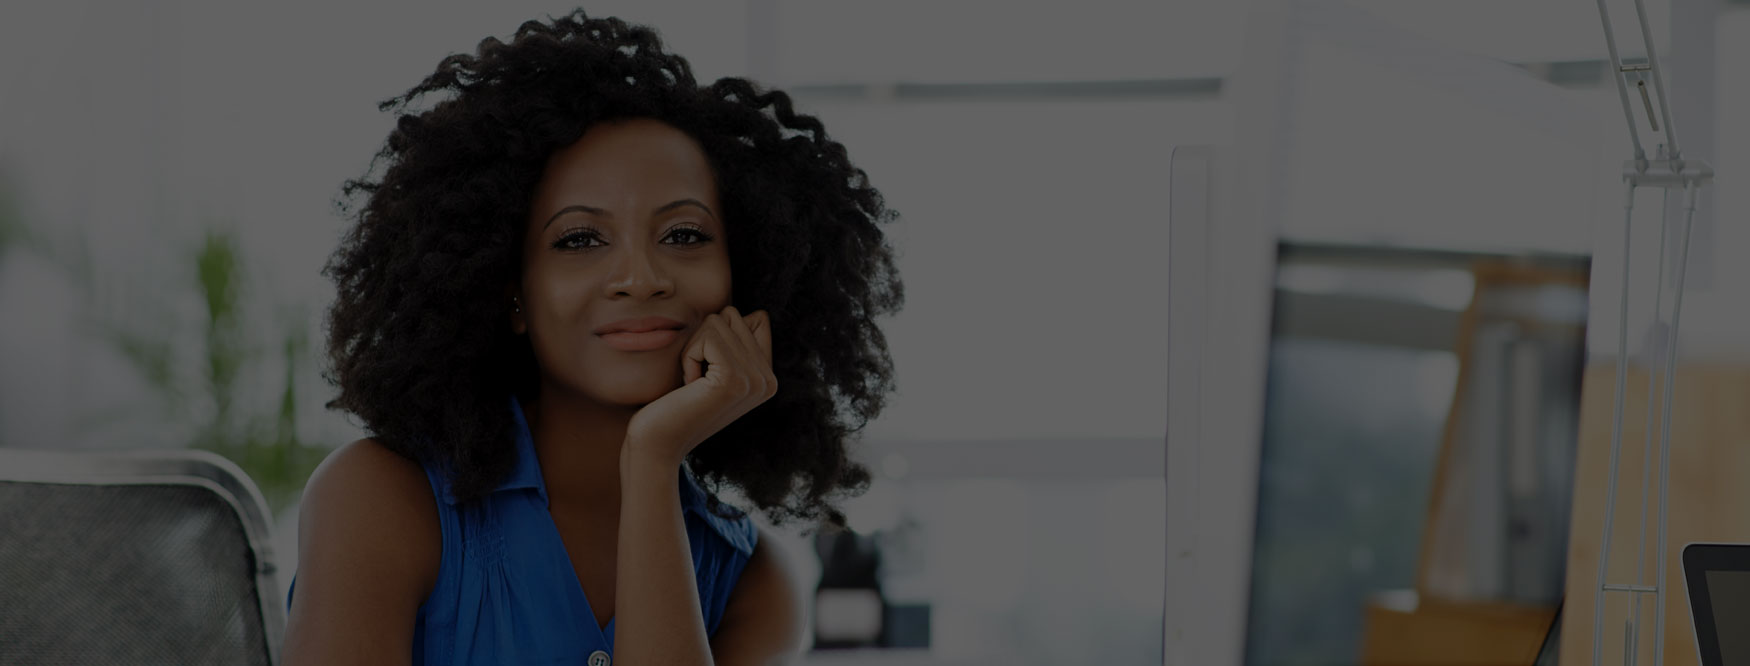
(1403, 630)
(1709, 495)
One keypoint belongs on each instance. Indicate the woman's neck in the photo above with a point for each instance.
(578, 443)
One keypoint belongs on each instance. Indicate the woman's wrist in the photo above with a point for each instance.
(639, 462)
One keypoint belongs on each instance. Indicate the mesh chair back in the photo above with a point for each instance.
(156, 557)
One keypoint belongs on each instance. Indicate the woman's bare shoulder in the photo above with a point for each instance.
(368, 471)
(367, 497)
(369, 546)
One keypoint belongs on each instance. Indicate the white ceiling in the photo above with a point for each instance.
(927, 41)
(1525, 30)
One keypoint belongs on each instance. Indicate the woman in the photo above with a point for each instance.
(582, 285)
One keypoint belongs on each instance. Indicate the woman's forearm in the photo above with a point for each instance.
(656, 609)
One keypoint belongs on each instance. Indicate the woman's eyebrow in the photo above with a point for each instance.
(580, 208)
(684, 202)
(574, 209)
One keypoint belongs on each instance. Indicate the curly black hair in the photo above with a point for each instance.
(418, 344)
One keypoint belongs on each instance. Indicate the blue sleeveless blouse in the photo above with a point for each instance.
(506, 592)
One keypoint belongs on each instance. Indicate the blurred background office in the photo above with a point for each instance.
(167, 172)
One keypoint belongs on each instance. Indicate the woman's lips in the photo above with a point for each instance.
(642, 341)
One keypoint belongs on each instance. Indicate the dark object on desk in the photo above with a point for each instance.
(849, 610)
(906, 625)
(1717, 577)
(1550, 653)
(140, 557)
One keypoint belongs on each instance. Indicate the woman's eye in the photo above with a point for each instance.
(577, 240)
(692, 236)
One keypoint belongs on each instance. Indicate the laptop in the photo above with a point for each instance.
(1549, 653)
(1717, 576)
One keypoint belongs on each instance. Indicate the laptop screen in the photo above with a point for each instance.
(1718, 580)
(1729, 595)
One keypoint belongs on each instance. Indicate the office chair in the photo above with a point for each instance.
(134, 557)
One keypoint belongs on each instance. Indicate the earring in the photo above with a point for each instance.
(515, 305)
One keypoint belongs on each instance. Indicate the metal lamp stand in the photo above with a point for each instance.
(1667, 171)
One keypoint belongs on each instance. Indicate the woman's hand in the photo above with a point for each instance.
(727, 367)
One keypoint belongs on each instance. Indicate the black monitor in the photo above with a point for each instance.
(1549, 653)
(1717, 576)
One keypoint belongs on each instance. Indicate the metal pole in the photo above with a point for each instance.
(1647, 436)
(1665, 443)
(1615, 428)
(1658, 84)
(1628, 112)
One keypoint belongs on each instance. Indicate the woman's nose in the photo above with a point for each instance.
(638, 274)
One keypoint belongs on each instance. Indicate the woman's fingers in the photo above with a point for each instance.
(716, 350)
(755, 351)
(738, 324)
(762, 333)
(757, 331)
(697, 356)
(761, 323)
(750, 379)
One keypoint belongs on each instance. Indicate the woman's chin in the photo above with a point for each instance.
(640, 396)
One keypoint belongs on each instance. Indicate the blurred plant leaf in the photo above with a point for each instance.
(217, 271)
(295, 344)
(220, 286)
(154, 358)
(139, 325)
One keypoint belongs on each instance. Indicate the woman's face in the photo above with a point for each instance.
(625, 224)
